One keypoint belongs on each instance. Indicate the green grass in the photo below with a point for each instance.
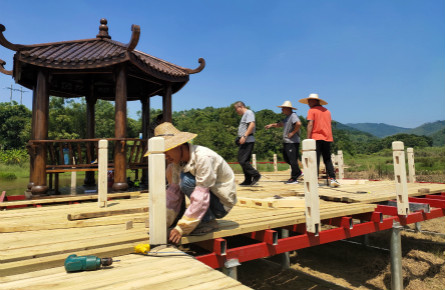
(6, 171)
(260, 167)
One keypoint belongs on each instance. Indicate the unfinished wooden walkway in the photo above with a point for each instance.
(40, 239)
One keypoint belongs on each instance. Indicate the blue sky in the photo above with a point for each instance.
(379, 61)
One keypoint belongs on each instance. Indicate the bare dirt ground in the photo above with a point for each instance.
(345, 265)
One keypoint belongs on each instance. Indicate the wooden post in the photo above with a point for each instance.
(400, 178)
(157, 205)
(275, 165)
(312, 203)
(120, 131)
(73, 180)
(91, 103)
(340, 164)
(411, 166)
(40, 128)
(167, 104)
(145, 102)
(102, 186)
(254, 160)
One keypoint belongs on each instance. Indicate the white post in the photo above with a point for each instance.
(312, 203)
(340, 164)
(275, 165)
(73, 180)
(157, 205)
(400, 178)
(254, 160)
(411, 167)
(102, 186)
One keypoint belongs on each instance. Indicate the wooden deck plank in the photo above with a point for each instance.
(132, 272)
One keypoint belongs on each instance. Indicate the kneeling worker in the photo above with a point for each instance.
(199, 173)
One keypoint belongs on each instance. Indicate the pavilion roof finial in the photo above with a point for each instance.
(103, 29)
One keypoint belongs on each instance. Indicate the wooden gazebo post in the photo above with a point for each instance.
(120, 130)
(91, 102)
(145, 102)
(40, 128)
(167, 104)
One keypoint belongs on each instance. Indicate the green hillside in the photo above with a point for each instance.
(428, 129)
(378, 129)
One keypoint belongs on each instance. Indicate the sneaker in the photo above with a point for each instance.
(334, 183)
(291, 181)
(301, 175)
(255, 179)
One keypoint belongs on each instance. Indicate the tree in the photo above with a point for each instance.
(15, 125)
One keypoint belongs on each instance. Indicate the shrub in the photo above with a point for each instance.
(14, 156)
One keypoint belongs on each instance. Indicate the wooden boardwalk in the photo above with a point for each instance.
(40, 239)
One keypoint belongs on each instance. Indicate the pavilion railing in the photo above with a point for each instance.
(81, 154)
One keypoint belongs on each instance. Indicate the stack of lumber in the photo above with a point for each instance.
(168, 269)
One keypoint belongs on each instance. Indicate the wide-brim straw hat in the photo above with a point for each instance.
(313, 97)
(172, 136)
(287, 104)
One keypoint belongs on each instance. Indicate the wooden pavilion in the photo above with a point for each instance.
(95, 68)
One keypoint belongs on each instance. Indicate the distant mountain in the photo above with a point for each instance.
(428, 129)
(378, 129)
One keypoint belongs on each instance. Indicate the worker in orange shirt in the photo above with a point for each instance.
(319, 128)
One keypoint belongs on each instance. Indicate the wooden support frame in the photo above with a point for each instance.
(400, 178)
(275, 166)
(102, 186)
(411, 165)
(340, 164)
(312, 202)
(157, 196)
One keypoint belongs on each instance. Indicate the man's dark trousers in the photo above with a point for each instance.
(324, 149)
(290, 155)
(244, 154)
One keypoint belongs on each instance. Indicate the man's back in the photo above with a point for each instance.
(322, 129)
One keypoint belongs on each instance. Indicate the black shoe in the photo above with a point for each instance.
(292, 181)
(245, 182)
(255, 179)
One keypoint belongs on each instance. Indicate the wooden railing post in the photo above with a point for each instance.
(254, 161)
(312, 203)
(157, 196)
(102, 186)
(400, 178)
(340, 164)
(411, 165)
(73, 180)
(275, 166)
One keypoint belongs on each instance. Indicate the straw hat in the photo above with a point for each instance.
(313, 97)
(172, 136)
(287, 104)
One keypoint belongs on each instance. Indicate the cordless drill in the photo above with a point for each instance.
(85, 263)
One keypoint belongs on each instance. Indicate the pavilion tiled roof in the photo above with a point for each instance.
(94, 53)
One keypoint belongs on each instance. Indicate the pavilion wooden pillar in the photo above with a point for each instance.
(91, 127)
(167, 104)
(145, 131)
(33, 137)
(40, 129)
(120, 130)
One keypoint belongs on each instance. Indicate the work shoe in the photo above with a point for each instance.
(204, 228)
(245, 183)
(255, 179)
(334, 183)
(291, 181)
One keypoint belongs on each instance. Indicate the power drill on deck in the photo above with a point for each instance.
(85, 263)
